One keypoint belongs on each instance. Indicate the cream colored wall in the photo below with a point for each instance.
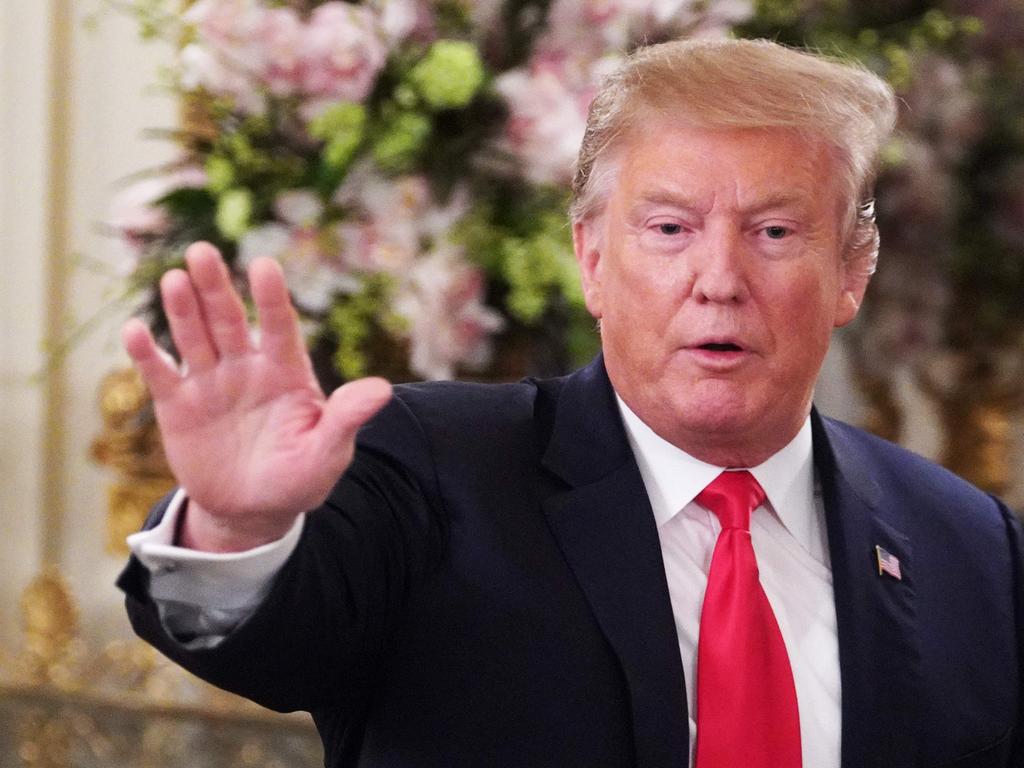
(113, 103)
(73, 106)
(23, 168)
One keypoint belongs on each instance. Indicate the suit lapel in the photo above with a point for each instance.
(606, 532)
(879, 654)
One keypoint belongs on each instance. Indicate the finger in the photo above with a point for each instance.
(219, 301)
(348, 408)
(188, 327)
(280, 335)
(156, 367)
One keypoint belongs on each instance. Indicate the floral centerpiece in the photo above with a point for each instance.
(407, 161)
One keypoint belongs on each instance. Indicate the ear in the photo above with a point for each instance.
(854, 277)
(587, 242)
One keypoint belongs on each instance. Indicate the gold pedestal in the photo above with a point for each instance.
(130, 444)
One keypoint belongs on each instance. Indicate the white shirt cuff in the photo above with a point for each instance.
(235, 581)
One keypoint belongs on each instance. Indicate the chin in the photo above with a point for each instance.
(726, 409)
(711, 421)
(716, 402)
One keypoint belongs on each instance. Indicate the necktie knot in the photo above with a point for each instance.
(732, 496)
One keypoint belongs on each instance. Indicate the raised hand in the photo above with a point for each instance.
(246, 427)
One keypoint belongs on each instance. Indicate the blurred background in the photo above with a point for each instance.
(408, 161)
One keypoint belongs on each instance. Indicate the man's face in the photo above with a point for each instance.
(715, 270)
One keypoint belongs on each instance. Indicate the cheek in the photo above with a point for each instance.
(803, 317)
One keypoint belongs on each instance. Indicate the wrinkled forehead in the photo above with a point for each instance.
(741, 167)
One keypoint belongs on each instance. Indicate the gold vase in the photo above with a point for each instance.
(977, 442)
(977, 397)
(130, 445)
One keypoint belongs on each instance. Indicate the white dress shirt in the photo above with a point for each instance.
(791, 546)
(203, 596)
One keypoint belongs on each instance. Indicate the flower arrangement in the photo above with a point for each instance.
(407, 161)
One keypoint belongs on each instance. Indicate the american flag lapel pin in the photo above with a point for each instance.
(888, 563)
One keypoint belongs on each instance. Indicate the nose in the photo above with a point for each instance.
(718, 268)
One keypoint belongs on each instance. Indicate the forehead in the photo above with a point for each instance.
(733, 167)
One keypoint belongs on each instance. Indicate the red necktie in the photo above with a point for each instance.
(746, 702)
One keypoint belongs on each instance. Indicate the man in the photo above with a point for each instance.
(560, 573)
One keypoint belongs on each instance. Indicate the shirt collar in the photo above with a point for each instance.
(673, 478)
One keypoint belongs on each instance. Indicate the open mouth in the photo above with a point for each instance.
(728, 347)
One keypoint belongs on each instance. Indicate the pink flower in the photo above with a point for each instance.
(394, 220)
(139, 220)
(547, 118)
(308, 258)
(281, 41)
(227, 56)
(134, 212)
(241, 46)
(342, 52)
(941, 106)
(201, 68)
(588, 27)
(298, 207)
(309, 255)
(703, 19)
(449, 325)
(224, 24)
(400, 19)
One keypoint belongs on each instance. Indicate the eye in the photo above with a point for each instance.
(668, 228)
(776, 232)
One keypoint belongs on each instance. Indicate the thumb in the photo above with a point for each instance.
(348, 408)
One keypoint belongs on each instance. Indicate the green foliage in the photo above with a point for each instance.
(342, 129)
(402, 138)
(220, 173)
(353, 320)
(538, 266)
(887, 37)
(234, 213)
(449, 75)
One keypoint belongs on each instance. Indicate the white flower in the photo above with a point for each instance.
(200, 68)
(280, 39)
(313, 274)
(298, 207)
(449, 326)
(547, 119)
(224, 23)
(137, 217)
(397, 18)
(228, 51)
(342, 51)
(392, 221)
(365, 247)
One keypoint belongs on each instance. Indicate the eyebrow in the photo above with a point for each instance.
(666, 196)
(768, 202)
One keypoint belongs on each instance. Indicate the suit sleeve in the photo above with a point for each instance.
(321, 631)
(1016, 537)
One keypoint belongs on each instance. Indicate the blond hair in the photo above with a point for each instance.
(745, 84)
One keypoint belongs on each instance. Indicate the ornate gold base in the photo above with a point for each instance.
(63, 706)
(130, 444)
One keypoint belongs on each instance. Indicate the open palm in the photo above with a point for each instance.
(247, 430)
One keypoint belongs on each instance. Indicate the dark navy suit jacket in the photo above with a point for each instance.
(485, 587)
